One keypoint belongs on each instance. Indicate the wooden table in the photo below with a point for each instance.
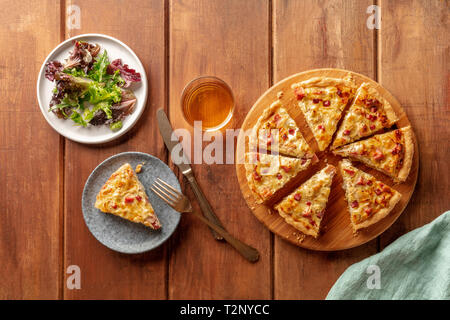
(251, 45)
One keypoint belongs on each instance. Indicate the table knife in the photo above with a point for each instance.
(166, 131)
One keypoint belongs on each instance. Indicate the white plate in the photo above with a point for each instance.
(92, 134)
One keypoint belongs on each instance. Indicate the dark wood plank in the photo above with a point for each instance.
(29, 156)
(310, 35)
(107, 274)
(228, 39)
(415, 66)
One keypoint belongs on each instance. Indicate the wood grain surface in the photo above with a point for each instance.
(30, 162)
(107, 274)
(309, 35)
(214, 269)
(337, 230)
(249, 44)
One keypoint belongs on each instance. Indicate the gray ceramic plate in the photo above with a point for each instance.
(119, 234)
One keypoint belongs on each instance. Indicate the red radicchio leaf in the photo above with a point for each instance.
(127, 74)
(51, 68)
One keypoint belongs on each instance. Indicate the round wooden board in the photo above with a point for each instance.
(336, 231)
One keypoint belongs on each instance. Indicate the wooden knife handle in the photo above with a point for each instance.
(205, 206)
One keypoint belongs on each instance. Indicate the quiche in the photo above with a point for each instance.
(390, 152)
(123, 195)
(322, 101)
(368, 114)
(276, 131)
(305, 207)
(267, 173)
(369, 200)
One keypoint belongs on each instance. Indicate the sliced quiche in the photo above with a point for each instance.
(369, 200)
(305, 207)
(267, 173)
(123, 195)
(276, 131)
(368, 114)
(322, 101)
(390, 152)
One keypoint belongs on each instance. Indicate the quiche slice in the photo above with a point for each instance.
(369, 200)
(267, 173)
(368, 114)
(322, 101)
(305, 207)
(390, 152)
(276, 131)
(123, 195)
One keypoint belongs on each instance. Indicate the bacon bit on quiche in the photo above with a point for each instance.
(373, 109)
(308, 203)
(316, 100)
(398, 134)
(298, 196)
(299, 93)
(256, 176)
(361, 181)
(354, 204)
(138, 198)
(339, 92)
(368, 211)
(346, 132)
(114, 206)
(129, 199)
(286, 168)
(320, 214)
(320, 127)
(364, 128)
(349, 171)
(279, 176)
(291, 131)
(372, 127)
(303, 161)
(326, 103)
(369, 182)
(276, 117)
(378, 155)
(378, 191)
(307, 213)
(397, 149)
(284, 136)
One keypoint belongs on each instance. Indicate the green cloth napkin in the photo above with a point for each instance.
(415, 266)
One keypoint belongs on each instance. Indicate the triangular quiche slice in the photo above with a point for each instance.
(390, 152)
(267, 173)
(305, 207)
(322, 101)
(369, 200)
(368, 114)
(276, 131)
(123, 195)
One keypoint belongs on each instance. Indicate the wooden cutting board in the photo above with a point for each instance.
(336, 231)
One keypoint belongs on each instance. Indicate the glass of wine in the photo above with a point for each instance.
(207, 99)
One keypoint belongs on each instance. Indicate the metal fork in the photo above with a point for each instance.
(181, 203)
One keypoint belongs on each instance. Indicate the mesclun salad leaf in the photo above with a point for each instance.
(89, 89)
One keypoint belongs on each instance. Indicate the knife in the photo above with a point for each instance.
(166, 131)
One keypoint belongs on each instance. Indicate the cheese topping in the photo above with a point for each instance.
(323, 106)
(305, 206)
(268, 173)
(366, 195)
(384, 152)
(367, 115)
(123, 195)
(276, 129)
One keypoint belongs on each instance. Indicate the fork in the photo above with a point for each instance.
(181, 203)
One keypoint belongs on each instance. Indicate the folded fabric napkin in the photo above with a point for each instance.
(415, 266)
